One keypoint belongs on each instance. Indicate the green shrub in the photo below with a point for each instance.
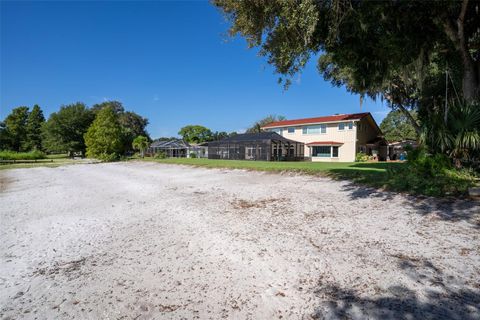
(107, 157)
(431, 175)
(193, 155)
(160, 155)
(12, 155)
(361, 157)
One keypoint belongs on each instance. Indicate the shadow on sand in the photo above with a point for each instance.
(441, 298)
(447, 209)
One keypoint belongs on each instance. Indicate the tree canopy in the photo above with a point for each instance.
(33, 129)
(14, 131)
(396, 127)
(363, 44)
(219, 135)
(64, 130)
(116, 106)
(24, 130)
(133, 125)
(195, 134)
(256, 127)
(21, 129)
(4, 139)
(103, 139)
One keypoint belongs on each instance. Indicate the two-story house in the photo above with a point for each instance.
(334, 138)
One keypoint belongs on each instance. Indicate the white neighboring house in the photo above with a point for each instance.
(336, 138)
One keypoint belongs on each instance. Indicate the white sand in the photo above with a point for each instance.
(143, 241)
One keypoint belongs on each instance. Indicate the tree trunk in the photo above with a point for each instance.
(471, 72)
(470, 84)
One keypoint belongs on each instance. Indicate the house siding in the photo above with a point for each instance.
(346, 152)
(365, 132)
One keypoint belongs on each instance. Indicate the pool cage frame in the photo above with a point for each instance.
(177, 148)
(266, 146)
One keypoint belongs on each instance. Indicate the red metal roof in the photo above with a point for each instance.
(323, 143)
(338, 117)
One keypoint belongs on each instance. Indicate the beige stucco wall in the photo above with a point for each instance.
(346, 152)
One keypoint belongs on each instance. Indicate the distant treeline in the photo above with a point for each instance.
(65, 131)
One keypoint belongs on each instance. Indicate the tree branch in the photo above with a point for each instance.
(410, 118)
(457, 35)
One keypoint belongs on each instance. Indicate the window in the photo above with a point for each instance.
(334, 152)
(342, 125)
(321, 151)
(291, 130)
(325, 151)
(278, 130)
(322, 128)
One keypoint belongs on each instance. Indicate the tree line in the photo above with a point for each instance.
(199, 134)
(105, 131)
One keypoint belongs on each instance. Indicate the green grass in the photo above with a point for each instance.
(373, 174)
(54, 160)
(58, 156)
(304, 166)
(393, 176)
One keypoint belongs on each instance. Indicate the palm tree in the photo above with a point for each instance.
(458, 136)
(140, 143)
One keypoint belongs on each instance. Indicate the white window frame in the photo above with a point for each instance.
(331, 152)
(346, 126)
(321, 127)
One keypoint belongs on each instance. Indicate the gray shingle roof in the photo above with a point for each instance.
(173, 144)
(260, 136)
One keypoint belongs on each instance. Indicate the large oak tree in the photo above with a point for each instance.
(64, 130)
(374, 48)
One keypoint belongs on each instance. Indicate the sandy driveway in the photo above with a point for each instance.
(143, 241)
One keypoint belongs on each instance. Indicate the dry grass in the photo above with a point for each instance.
(257, 204)
(4, 182)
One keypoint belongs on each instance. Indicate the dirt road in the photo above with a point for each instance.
(149, 241)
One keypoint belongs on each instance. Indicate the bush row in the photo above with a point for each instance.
(12, 155)
(431, 175)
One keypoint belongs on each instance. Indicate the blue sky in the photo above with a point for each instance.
(168, 61)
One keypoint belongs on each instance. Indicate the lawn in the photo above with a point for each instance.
(370, 173)
(393, 176)
(54, 160)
